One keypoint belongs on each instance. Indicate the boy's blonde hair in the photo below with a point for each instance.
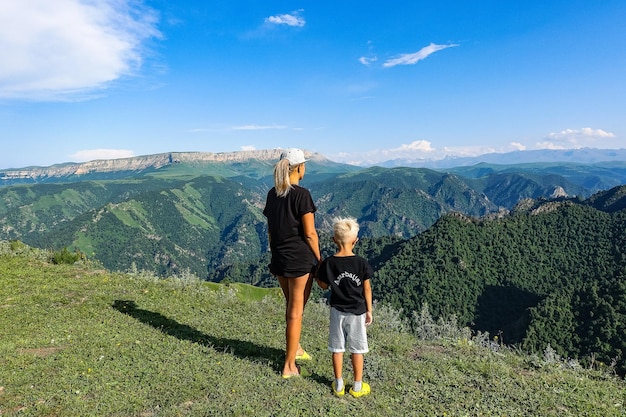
(345, 228)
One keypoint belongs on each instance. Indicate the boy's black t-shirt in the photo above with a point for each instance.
(345, 275)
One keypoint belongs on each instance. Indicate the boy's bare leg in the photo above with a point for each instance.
(338, 364)
(357, 366)
(338, 385)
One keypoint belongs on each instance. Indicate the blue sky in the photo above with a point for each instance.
(355, 81)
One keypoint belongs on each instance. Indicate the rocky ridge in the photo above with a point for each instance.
(140, 163)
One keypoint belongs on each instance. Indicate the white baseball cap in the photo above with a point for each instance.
(293, 155)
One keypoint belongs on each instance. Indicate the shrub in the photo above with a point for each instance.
(16, 245)
(64, 256)
(426, 328)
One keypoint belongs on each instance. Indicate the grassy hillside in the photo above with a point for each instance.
(78, 340)
(28, 212)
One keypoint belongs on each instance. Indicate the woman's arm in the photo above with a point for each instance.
(310, 234)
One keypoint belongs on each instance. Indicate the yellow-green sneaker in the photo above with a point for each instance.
(338, 393)
(365, 390)
(304, 357)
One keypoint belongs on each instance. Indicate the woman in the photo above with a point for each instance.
(294, 243)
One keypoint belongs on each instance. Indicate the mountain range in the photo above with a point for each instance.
(201, 211)
(533, 252)
(558, 156)
(197, 163)
(102, 169)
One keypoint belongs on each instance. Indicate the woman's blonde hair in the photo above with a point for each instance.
(282, 169)
(345, 228)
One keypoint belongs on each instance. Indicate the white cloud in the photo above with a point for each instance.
(419, 150)
(248, 148)
(517, 146)
(410, 59)
(218, 129)
(367, 60)
(467, 151)
(257, 127)
(292, 19)
(94, 154)
(424, 150)
(585, 132)
(599, 133)
(575, 138)
(548, 145)
(362, 98)
(371, 57)
(57, 50)
(415, 146)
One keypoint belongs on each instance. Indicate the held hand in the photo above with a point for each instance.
(316, 268)
(321, 284)
(368, 318)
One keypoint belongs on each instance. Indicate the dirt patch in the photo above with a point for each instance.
(41, 352)
(7, 305)
(426, 350)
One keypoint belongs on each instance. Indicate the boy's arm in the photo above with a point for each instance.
(367, 293)
(321, 283)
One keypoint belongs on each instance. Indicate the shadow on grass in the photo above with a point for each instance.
(240, 348)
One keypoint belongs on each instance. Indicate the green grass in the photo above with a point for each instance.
(76, 340)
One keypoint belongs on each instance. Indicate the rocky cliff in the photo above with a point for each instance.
(137, 164)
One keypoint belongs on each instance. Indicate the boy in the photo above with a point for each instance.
(348, 276)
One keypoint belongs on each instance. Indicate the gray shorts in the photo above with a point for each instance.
(347, 327)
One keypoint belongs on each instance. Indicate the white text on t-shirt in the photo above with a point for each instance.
(354, 277)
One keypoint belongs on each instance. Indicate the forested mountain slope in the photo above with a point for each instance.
(397, 201)
(590, 177)
(196, 225)
(406, 201)
(553, 272)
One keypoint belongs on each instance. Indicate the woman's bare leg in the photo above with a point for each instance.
(294, 290)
